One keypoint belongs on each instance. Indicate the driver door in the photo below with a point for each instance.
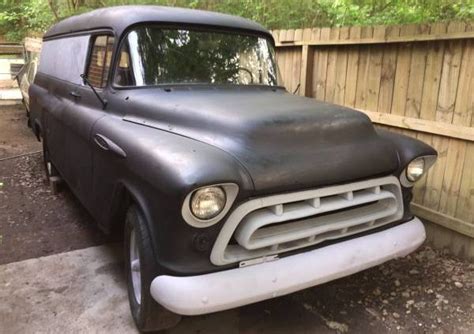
(84, 112)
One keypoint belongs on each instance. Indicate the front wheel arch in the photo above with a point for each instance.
(123, 197)
(37, 130)
(147, 313)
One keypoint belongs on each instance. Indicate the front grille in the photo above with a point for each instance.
(280, 223)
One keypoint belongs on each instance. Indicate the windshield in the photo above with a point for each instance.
(152, 55)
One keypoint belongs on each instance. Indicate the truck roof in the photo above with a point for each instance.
(121, 17)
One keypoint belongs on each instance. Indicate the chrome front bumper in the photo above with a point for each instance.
(228, 289)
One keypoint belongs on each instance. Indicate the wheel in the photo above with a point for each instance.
(141, 269)
(49, 168)
(28, 118)
(51, 173)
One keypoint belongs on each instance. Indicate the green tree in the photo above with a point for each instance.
(19, 17)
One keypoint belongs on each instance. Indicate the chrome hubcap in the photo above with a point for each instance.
(135, 267)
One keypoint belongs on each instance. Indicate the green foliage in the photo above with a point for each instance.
(19, 17)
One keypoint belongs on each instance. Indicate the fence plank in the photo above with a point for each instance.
(449, 76)
(465, 206)
(429, 100)
(315, 35)
(414, 124)
(306, 68)
(444, 220)
(281, 57)
(361, 92)
(375, 53)
(276, 36)
(296, 60)
(322, 67)
(434, 182)
(420, 187)
(445, 113)
(416, 78)
(341, 68)
(352, 68)
(403, 73)
(370, 41)
(387, 78)
(331, 68)
(452, 176)
(415, 95)
(290, 35)
(434, 63)
(464, 107)
(451, 193)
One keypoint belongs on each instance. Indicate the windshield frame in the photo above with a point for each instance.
(203, 28)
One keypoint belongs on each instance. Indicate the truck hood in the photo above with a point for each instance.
(284, 141)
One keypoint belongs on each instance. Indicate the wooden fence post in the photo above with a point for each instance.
(306, 77)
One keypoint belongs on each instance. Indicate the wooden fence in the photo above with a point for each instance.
(414, 79)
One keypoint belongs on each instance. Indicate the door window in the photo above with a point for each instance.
(99, 60)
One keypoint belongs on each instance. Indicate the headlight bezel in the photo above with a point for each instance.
(230, 190)
(428, 161)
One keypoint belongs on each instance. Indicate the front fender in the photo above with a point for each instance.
(160, 168)
(407, 148)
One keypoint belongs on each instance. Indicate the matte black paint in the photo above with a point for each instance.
(120, 18)
(154, 145)
(285, 142)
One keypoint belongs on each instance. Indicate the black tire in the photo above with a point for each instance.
(28, 118)
(148, 314)
(48, 165)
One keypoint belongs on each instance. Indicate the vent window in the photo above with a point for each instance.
(100, 60)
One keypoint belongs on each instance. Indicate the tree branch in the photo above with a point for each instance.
(53, 9)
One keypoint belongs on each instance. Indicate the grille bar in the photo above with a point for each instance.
(256, 234)
(293, 211)
(280, 223)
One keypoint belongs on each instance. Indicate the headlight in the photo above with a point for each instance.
(415, 169)
(205, 206)
(207, 203)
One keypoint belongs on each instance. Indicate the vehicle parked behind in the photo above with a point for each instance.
(25, 78)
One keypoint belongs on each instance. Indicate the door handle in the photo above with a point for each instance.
(101, 142)
(106, 144)
(75, 94)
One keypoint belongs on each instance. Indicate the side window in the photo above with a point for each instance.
(99, 60)
(65, 58)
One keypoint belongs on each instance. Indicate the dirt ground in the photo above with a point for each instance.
(15, 136)
(33, 221)
(428, 291)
